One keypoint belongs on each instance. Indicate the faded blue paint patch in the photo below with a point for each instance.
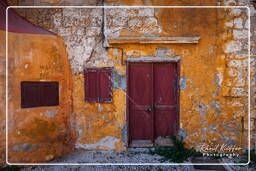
(231, 142)
(50, 114)
(215, 104)
(162, 51)
(182, 133)
(205, 129)
(201, 109)
(213, 126)
(124, 134)
(25, 147)
(217, 84)
(183, 83)
(118, 81)
(79, 131)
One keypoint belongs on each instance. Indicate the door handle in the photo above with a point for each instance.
(149, 109)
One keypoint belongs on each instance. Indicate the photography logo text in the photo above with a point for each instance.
(220, 150)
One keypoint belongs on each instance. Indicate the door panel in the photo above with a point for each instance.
(164, 84)
(153, 111)
(165, 123)
(165, 103)
(142, 122)
(140, 99)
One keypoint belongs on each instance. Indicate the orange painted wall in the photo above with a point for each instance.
(213, 98)
(44, 132)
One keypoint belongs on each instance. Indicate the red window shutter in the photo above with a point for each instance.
(90, 78)
(98, 85)
(105, 85)
(49, 94)
(36, 94)
(30, 94)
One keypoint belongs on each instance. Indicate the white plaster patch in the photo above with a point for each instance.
(112, 31)
(93, 31)
(100, 108)
(135, 53)
(232, 72)
(229, 24)
(71, 12)
(229, 2)
(79, 131)
(108, 142)
(139, 20)
(236, 104)
(246, 25)
(235, 12)
(220, 78)
(30, 55)
(116, 52)
(211, 49)
(240, 79)
(135, 23)
(238, 23)
(26, 66)
(243, 2)
(81, 30)
(238, 63)
(50, 113)
(146, 12)
(151, 25)
(240, 55)
(240, 34)
(252, 10)
(233, 46)
(57, 19)
(238, 92)
(49, 157)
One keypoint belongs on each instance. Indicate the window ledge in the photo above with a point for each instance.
(153, 40)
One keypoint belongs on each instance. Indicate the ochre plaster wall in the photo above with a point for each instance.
(42, 133)
(213, 73)
(213, 96)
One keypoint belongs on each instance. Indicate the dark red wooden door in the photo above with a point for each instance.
(140, 93)
(165, 99)
(153, 105)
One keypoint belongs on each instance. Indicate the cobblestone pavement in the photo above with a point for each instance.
(134, 156)
(108, 157)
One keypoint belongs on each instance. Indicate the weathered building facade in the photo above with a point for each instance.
(139, 74)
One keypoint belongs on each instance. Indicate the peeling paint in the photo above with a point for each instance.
(107, 143)
(119, 81)
(201, 109)
(212, 80)
(50, 114)
(183, 83)
(215, 104)
(25, 147)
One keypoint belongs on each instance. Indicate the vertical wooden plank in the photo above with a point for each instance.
(30, 94)
(140, 94)
(49, 93)
(152, 104)
(105, 85)
(90, 85)
(36, 94)
(165, 99)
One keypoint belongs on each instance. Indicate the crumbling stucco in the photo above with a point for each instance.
(213, 73)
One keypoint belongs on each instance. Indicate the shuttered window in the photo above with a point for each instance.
(36, 94)
(98, 85)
